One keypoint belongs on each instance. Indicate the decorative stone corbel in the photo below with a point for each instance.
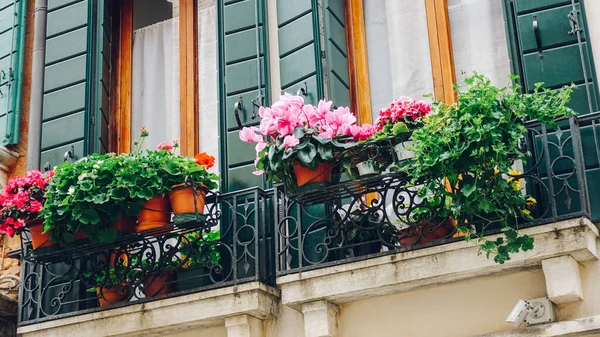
(8, 161)
(320, 319)
(563, 282)
(244, 326)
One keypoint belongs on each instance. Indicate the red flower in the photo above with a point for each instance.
(205, 159)
(21, 200)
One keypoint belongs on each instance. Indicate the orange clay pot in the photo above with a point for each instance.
(182, 199)
(125, 224)
(113, 295)
(155, 213)
(305, 175)
(156, 285)
(36, 227)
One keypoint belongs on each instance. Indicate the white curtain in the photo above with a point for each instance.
(152, 103)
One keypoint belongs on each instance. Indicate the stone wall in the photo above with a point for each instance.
(8, 266)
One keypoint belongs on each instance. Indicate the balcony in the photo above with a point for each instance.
(348, 241)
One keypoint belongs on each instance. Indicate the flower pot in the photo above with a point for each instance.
(155, 213)
(436, 230)
(305, 175)
(36, 227)
(80, 235)
(402, 153)
(185, 200)
(156, 284)
(367, 168)
(125, 224)
(193, 277)
(408, 236)
(115, 294)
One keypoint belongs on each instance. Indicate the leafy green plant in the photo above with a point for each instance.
(199, 248)
(89, 195)
(465, 152)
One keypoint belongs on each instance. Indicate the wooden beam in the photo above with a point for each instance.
(440, 46)
(188, 63)
(121, 136)
(358, 64)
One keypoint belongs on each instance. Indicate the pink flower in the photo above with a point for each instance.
(292, 100)
(260, 146)
(166, 146)
(258, 173)
(290, 141)
(316, 115)
(327, 133)
(250, 135)
(287, 120)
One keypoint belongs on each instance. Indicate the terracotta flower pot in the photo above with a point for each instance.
(320, 175)
(125, 224)
(155, 213)
(36, 227)
(117, 293)
(182, 199)
(79, 235)
(435, 230)
(158, 284)
(408, 236)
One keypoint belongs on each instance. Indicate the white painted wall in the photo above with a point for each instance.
(479, 39)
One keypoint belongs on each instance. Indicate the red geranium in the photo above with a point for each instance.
(205, 159)
(22, 200)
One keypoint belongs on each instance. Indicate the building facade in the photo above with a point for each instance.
(198, 70)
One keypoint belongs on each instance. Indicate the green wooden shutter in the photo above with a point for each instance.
(77, 79)
(243, 63)
(555, 56)
(312, 49)
(12, 37)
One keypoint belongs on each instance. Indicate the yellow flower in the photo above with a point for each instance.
(526, 211)
(516, 183)
(496, 171)
(531, 201)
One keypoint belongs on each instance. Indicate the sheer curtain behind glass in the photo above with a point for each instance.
(153, 104)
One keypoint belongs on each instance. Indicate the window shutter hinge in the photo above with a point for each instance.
(322, 54)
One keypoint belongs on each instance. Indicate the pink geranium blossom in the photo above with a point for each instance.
(166, 146)
(403, 109)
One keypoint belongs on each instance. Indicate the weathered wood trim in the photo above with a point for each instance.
(440, 45)
(188, 63)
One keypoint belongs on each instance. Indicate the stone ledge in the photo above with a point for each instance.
(167, 315)
(406, 271)
(587, 326)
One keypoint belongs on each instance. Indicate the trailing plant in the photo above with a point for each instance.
(293, 132)
(465, 153)
(22, 200)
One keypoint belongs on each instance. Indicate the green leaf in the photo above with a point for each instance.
(308, 154)
(326, 152)
(399, 128)
(467, 190)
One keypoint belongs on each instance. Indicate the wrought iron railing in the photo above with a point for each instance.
(275, 232)
(378, 215)
(229, 244)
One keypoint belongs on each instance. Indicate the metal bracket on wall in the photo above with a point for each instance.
(538, 39)
(303, 91)
(574, 22)
(237, 107)
(69, 154)
(256, 104)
